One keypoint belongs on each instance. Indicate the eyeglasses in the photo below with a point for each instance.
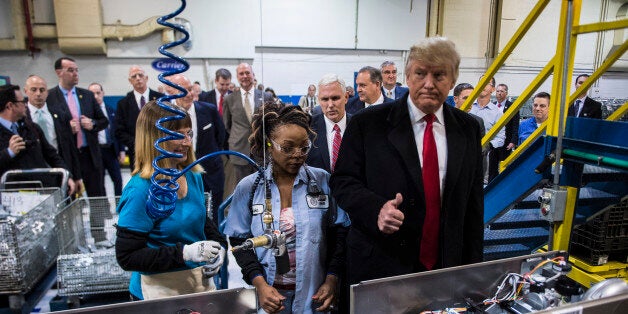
(136, 75)
(291, 150)
(189, 135)
(23, 102)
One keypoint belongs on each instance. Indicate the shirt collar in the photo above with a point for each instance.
(6, 123)
(251, 91)
(34, 109)
(342, 124)
(139, 95)
(301, 176)
(378, 101)
(416, 115)
(65, 91)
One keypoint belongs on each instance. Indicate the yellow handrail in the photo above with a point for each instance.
(503, 55)
(618, 113)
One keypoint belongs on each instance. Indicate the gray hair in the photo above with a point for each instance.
(331, 78)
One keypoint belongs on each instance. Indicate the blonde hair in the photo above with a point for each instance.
(147, 133)
(438, 51)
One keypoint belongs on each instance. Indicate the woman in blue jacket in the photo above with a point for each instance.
(302, 210)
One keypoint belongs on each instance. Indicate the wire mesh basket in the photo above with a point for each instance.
(27, 229)
(87, 264)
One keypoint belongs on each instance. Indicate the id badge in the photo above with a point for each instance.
(257, 209)
(318, 201)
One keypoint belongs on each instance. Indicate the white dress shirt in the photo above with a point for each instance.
(329, 128)
(102, 135)
(51, 134)
(379, 100)
(251, 98)
(138, 97)
(440, 136)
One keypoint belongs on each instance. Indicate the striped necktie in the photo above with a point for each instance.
(335, 146)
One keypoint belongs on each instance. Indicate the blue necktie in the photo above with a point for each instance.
(14, 128)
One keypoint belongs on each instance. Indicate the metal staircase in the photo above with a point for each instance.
(512, 212)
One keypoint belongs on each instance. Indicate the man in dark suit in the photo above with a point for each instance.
(110, 149)
(55, 124)
(584, 107)
(390, 89)
(369, 82)
(87, 121)
(22, 142)
(409, 175)
(238, 111)
(129, 107)
(209, 136)
(217, 95)
(512, 133)
(330, 125)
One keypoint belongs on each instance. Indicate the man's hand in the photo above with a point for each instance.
(16, 144)
(121, 157)
(71, 187)
(87, 123)
(510, 146)
(390, 218)
(75, 125)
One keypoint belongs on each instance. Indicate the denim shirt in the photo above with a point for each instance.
(310, 239)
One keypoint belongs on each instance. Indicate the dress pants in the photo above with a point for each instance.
(94, 187)
(112, 165)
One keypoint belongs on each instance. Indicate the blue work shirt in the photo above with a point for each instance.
(526, 128)
(186, 224)
(311, 246)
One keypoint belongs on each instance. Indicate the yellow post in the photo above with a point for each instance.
(562, 230)
(560, 74)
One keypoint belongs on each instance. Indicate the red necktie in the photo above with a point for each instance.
(220, 105)
(75, 115)
(431, 188)
(336, 146)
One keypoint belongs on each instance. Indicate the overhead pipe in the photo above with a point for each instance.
(29, 28)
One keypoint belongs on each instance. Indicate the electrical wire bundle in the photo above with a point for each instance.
(512, 285)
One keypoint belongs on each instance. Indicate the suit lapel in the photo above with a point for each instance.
(401, 137)
(456, 146)
(321, 141)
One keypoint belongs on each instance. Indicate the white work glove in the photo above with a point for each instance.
(212, 268)
(201, 251)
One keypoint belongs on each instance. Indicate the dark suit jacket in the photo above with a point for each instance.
(355, 104)
(126, 117)
(90, 109)
(211, 138)
(210, 97)
(238, 125)
(66, 141)
(399, 91)
(319, 154)
(512, 127)
(37, 154)
(592, 109)
(111, 115)
(378, 158)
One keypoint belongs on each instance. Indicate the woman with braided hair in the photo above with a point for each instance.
(303, 211)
